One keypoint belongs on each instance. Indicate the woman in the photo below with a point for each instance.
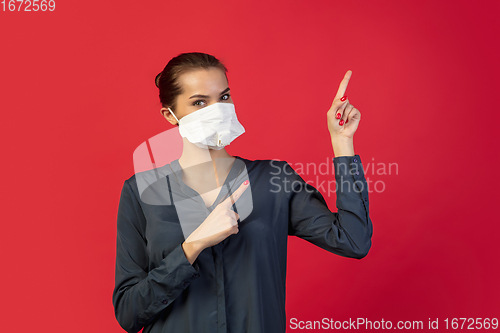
(227, 273)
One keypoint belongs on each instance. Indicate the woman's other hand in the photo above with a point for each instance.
(343, 117)
(343, 120)
(220, 224)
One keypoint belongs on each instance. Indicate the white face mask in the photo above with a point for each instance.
(213, 126)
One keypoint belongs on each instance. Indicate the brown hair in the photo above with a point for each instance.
(167, 79)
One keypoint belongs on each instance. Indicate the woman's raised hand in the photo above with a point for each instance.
(220, 224)
(343, 118)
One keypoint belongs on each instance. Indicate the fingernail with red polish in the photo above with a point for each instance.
(343, 98)
(338, 115)
(246, 182)
(341, 122)
(346, 121)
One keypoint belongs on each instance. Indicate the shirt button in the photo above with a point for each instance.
(355, 159)
(185, 284)
(195, 275)
(357, 172)
(366, 199)
(164, 301)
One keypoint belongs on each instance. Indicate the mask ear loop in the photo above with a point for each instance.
(173, 115)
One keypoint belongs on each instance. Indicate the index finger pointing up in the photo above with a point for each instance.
(343, 85)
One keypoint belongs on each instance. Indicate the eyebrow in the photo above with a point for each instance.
(205, 96)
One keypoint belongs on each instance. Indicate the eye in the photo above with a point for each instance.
(201, 102)
(197, 102)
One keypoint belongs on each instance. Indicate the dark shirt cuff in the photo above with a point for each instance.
(350, 176)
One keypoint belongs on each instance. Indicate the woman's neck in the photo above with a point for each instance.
(199, 162)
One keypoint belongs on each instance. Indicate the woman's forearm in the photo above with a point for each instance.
(191, 251)
(343, 147)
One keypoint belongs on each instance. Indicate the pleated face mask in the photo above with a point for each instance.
(214, 126)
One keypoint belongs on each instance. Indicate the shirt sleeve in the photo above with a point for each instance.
(139, 295)
(347, 232)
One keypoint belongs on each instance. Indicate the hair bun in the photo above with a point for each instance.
(157, 80)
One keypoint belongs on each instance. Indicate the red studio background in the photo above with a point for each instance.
(78, 97)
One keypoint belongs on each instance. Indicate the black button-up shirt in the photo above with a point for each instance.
(237, 285)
